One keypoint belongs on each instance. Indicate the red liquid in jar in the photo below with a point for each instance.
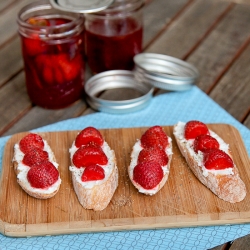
(54, 71)
(112, 45)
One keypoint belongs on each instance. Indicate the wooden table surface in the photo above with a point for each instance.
(214, 35)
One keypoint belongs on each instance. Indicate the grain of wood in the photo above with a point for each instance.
(14, 101)
(183, 201)
(221, 46)
(12, 62)
(8, 20)
(235, 101)
(183, 34)
(153, 24)
(241, 243)
(38, 117)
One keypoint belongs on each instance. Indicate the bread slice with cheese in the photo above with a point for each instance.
(137, 148)
(95, 194)
(22, 171)
(225, 183)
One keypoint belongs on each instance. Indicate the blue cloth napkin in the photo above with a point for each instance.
(165, 109)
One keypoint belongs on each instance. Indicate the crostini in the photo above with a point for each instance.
(36, 167)
(150, 161)
(210, 159)
(93, 169)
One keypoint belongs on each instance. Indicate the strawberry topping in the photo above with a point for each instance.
(153, 154)
(204, 142)
(93, 173)
(30, 142)
(35, 156)
(194, 128)
(43, 175)
(88, 155)
(154, 137)
(148, 174)
(217, 159)
(89, 135)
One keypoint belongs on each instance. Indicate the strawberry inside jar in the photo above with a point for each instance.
(53, 52)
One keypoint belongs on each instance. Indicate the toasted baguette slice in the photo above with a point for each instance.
(226, 184)
(21, 171)
(95, 195)
(166, 169)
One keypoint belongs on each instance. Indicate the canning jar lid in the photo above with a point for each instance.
(151, 71)
(117, 79)
(164, 72)
(81, 6)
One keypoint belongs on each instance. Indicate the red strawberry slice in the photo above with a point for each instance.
(43, 175)
(148, 174)
(89, 135)
(88, 155)
(30, 142)
(204, 142)
(154, 137)
(153, 154)
(35, 156)
(93, 173)
(217, 159)
(194, 128)
(71, 67)
(34, 45)
(58, 69)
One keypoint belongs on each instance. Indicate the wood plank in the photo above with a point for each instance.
(8, 20)
(11, 63)
(38, 117)
(5, 3)
(241, 243)
(182, 202)
(166, 11)
(235, 100)
(221, 46)
(247, 121)
(183, 34)
(14, 101)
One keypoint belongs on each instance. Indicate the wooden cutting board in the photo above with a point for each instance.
(182, 202)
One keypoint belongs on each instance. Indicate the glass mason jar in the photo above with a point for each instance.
(114, 36)
(53, 52)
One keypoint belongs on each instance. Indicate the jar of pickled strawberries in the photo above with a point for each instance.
(53, 54)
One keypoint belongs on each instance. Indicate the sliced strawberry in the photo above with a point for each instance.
(153, 154)
(204, 142)
(194, 128)
(93, 173)
(35, 156)
(89, 135)
(34, 45)
(43, 175)
(88, 155)
(217, 159)
(148, 174)
(58, 69)
(30, 142)
(71, 67)
(154, 137)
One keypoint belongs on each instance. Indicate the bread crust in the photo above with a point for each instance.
(34, 192)
(98, 196)
(164, 179)
(229, 187)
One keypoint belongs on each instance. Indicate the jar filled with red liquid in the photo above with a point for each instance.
(114, 36)
(53, 52)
